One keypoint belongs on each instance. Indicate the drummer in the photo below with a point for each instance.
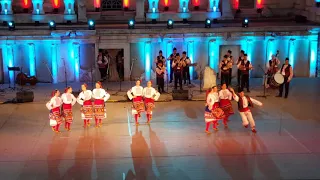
(272, 67)
(287, 72)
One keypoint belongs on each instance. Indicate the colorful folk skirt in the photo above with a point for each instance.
(214, 114)
(138, 104)
(87, 110)
(226, 106)
(55, 115)
(99, 110)
(67, 113)
(149, 103)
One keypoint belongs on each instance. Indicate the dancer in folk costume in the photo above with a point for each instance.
(55, 114)
(212, 112)
(135, 94)
(100, 97)
(244, 102)
(150, 95)
(68, 100)
(225, 103)
(84, 99)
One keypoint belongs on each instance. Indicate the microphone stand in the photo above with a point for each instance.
(264, 83)
(65, 72)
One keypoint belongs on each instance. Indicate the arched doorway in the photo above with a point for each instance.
(107, 5)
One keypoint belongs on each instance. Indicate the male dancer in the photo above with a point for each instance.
(241, 58)
(230, 69)
(186, 69)
(245, 66)
(135, 94)
(244, 102)
(150, 95)
(287, 72)
(160, 71)
(171, 59)
(68, 100)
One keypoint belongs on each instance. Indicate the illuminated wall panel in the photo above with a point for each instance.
(32, 59)
(54, 63)
(191, 56)
(147, 50)
(169, 52)
(291, 52)
(76, 60)
(313, 58)
(9, 61)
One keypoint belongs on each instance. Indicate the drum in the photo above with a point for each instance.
(32, 80)
(21, 79)
(276, 80)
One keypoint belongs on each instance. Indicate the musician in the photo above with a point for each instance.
(135, 94)
(160, 71)
(244, 102)
(225, 72)
(287, 72)
(55, 114)
(231, 62)
(102, 64)
(150, 95)
(171, 59)
(68, 100)
(245, 66)
(272, 68)
(241, 58)
(100, 97)
(84, 99)
(186, 69)
(177, 66)
(225, 103)
(160, 58)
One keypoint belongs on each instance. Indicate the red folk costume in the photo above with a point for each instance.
(68, 100)
(225, 104)
(150, 95)
(100, 97)
(212, 112)
(135, 94)
(84, 99)
(55, 114)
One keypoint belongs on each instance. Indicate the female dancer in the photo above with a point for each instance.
(150, 95)
(135, 94)
(68, 100)
(84, 99)
(225, 103)
(100, 97)
(55, 114)
(212, 111)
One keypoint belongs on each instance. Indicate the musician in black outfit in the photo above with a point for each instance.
(171, 58)
(245, 66)
(177, 67)
(186, 69)
(225, 73)
(241, 57)
(160, 58)
(160, 71)
(287, 72)
(230, 69)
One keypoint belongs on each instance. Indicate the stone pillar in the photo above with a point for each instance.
(76, 59)
(69, 6)
(169, 51)
(32, 60)
(82, 11)
(139, 10)
(148, 61)
(54, 63)
(9, 61)
(291, 53)
(313, 58)
(213, 56)
(249, 52)
(191, 56)
(153, 6)
(183, 6)
(6, 6)
(318, 57)
(227, 10)
(37, 7)
(213, 6)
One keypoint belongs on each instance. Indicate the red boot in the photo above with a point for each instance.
(85, 123)
(69, 126)
(100, 122)
(136, 118)
(215, 125)
(96, 123)
(207, 128)
(57, 128)
(88, 122)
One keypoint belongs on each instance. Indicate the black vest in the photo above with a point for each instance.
(247, 65)
(287, 70)
(223, 65)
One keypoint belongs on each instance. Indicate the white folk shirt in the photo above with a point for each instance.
(245, 62)
(245, 101)
(106, 60)
(212, 98)
(150, 92)
(284, 71)
(68, 98)
(225, 94)
(84, 96)
(54, 102)
(136, 91)
(100, 94)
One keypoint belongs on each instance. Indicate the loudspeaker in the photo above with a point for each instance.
(300, 19)
(180, 94)
(24, 96)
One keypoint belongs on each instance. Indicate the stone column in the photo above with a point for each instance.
(54, 63)
(9, 61)
(69, 6)
(291, 52)
(6, 6)
(183, 6)
(318, 57)
(249, 52)
(82, 11)
(191, 56)
(37, 7)
(32, 60)
(313, 58)
(148, 61)
(76, 59)
(227, 10)
(213, 57)
(139, 10)
(153, 6)
(213, 6)
(169, 51)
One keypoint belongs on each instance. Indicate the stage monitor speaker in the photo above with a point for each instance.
(24, 96)
(300, 19)
(180, 94)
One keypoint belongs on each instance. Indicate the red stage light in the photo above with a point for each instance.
(126, 3)
(26, 4)
(166, 2)
(97, 3)
(56, 3)
(236, 4)
(196, 2)
(259, 4)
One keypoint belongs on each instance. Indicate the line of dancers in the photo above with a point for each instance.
(61, 107)
(218, 107)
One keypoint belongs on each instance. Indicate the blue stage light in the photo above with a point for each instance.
(131, 24)
(92, 25)
(207, 23)
(245, 22)
(170, 24)
(52, 25)
(11, 26)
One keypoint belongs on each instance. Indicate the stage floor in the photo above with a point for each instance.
(174, 146)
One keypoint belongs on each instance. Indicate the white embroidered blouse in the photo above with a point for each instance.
(135, 91)
(84, 96)
(150, 92)
(68, 98)
(100, 94)
(54, 102)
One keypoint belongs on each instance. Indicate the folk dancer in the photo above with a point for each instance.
(287, 72)
(186, 69)
(212, 111)
(231, 62)
(241, 58)
(171, 59)
(135, 94)
(102, 64)
(160, 71)
(244, 102)
(55, 114)
(150, 95)
(100, 97)
(245, 66)
(224, 69)
(178, 66)
(225, 103)
(272, 68)
(160, 58)
(68, 100)
(84, 99)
